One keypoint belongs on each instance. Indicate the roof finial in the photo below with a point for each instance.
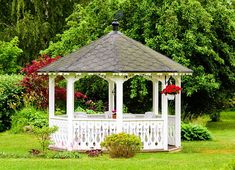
(115, 25)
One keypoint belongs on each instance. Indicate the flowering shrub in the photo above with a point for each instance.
(37, 86)
(171, 89)
(60, 94)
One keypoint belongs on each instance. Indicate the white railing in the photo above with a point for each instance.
(171, 129)
(149, 130)
(60, 137)
(89, 133)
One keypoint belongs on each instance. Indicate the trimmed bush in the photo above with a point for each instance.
(191, 132)
(122, 145)
(10, 98)
(27, 118)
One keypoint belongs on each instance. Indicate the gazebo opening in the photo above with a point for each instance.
(131, 98)
(95, 103)
(60, 95)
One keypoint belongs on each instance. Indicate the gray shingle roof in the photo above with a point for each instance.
(115, 52)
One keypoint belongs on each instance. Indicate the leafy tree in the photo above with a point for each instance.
(196, 33)
(8, 56)
(35, 22)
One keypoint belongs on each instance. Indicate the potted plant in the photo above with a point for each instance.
(171, 90)
(114, 115)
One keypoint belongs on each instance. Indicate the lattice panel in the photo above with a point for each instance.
(60, 137)
(90, 133)
(171, 130)
(150, 132)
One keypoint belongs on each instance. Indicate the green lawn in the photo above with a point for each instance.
(216, 154)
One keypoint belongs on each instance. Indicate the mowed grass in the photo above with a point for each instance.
(216, 154)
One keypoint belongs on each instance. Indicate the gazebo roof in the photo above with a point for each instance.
(115, 53)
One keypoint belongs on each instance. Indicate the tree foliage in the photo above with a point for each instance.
(8, 56)
(35, 22)
(196, 33)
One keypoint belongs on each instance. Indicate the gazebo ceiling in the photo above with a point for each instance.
(115, 53)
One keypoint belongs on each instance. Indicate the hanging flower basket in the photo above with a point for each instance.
(170, 96)
(171, 90)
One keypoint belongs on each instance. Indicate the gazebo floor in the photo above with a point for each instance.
(171, 148)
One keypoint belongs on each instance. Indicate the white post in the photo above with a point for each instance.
(165, 117)
(155, 97)
(111, 95)
(70, 110)
(51, 98)
(178, 115)
(119, 103)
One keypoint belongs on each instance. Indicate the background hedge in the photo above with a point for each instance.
(10, 98)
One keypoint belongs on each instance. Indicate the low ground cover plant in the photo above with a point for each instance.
(193, 132)
(122, 145)
(49, 155)
(63, 155)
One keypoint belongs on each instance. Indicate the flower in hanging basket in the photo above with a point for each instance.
(171, 89)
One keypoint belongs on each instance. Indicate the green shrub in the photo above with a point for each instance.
(191, 132)
(122, 145)
(9, 52)
(10, 98)
(28, 116)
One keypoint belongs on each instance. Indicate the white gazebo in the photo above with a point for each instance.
(116, 58)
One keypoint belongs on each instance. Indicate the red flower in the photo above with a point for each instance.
(79, 95)
(171, 89)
